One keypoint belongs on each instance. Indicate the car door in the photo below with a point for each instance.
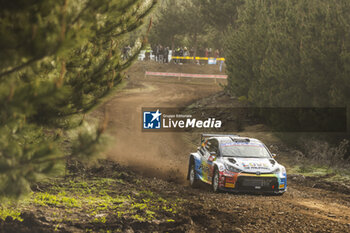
(202, 168)
(213, 147)
(207, 159)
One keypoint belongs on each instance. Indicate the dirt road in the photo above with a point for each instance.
(154, 154)
(164, 155)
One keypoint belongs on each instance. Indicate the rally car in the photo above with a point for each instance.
(233, 163)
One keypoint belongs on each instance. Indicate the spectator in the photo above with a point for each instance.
(177, 53)
(166, 55)
(161, 54)
(181, 54)
(217, 53)
(185, 54)
(157, 52)
(148, 53)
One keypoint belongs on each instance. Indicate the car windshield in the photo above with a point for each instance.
(245, 150)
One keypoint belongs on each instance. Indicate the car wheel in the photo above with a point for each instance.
(215, 182)
(193, 176)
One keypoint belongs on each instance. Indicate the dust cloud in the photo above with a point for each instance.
(161, 155)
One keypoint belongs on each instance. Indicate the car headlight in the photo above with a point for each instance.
(283, 170)
(232, 168)
(277, 170)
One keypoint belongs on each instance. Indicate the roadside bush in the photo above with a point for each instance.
(325, 153)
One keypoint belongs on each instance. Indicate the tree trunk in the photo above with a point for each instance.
(172, 43)
(195, 44)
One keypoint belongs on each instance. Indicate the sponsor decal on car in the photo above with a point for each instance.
(255, 165)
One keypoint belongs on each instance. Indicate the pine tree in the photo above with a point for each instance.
(291, 53)
(193, 23)
(220, 13)
(58, 60)
(168, 27)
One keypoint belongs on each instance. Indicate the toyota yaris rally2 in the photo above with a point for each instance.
(233, 163)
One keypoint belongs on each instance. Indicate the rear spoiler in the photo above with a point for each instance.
(207, 135)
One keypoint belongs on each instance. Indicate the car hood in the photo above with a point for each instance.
(253, 165)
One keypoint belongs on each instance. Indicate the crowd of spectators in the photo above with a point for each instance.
(163, 54)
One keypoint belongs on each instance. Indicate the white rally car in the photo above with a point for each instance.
(233, 163)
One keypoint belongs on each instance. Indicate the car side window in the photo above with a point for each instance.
(213, 146)
(202, 148)
(208, 145)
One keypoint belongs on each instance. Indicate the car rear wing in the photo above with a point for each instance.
(208, 135)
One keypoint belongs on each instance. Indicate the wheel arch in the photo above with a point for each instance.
(216, 170)
(191, 161)
(216, 165)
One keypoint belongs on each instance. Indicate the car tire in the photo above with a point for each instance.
(193, 177)
(215, 181)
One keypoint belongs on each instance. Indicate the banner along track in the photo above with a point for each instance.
(166, 74)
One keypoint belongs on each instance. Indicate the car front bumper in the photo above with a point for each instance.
(270, 182)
